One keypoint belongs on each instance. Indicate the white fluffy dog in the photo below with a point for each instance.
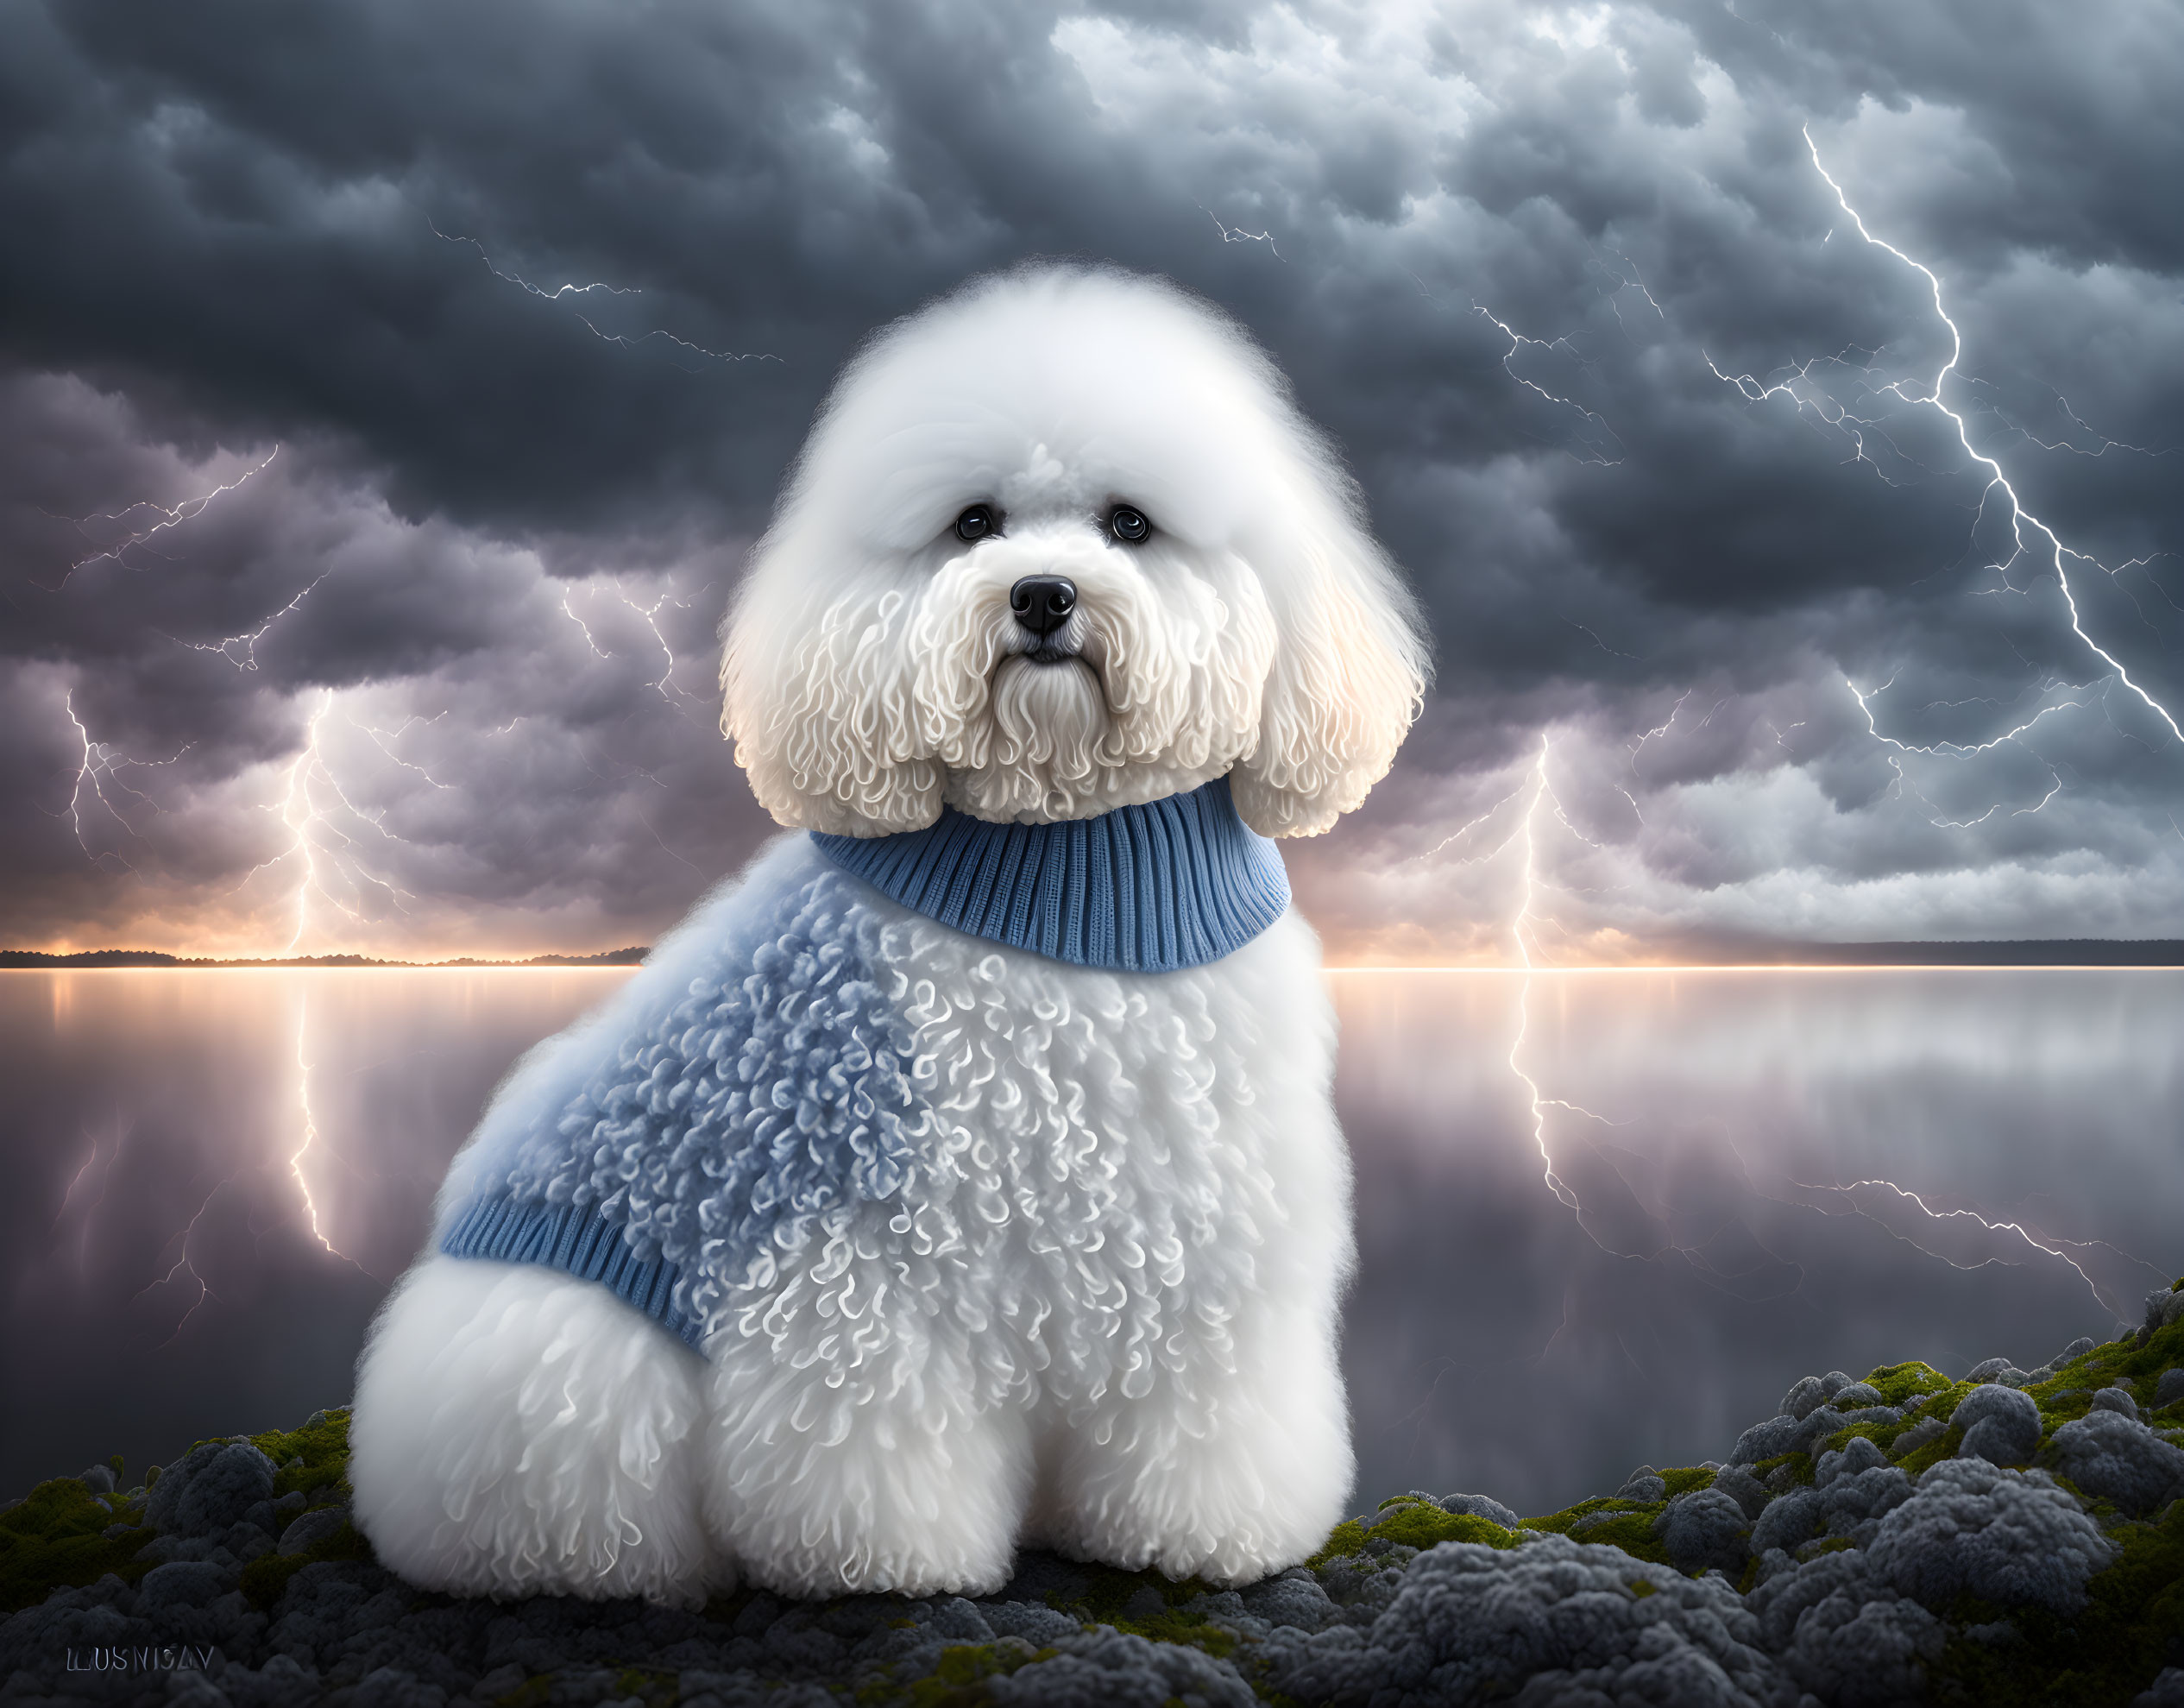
(964, 1174)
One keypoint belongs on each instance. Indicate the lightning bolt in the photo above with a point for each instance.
(379, 738)
(1960, 750)
(249, 640)
(1236, 234)
(647, 614)
(1527, 891)
(106, 1179)
(308, 1122)
(182, 1262)
(1940, 1220)
(562, 292)
(169, 518)
(1518, 341)
(2105, 445)
(1635, 281)
(95, 771)
(2030, 536)
(310, 799)
(1541, 804)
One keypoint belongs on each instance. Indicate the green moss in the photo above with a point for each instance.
(1882, 1435)
(1422, 1526)
(962, 1679)
(1644, 1587)
(1800, 1465)
(1410, 1522)
(2130, 1628)
(1560, 1524)
(1945, 1402)
(1944, 1445)
(54, 1539)
(1109, 1589)
(1898, 1383)
(1684, 1479)
(265, 1579)
(324, 1448)
(1346, 1538)
(1177, 1626)
(2143, 1366)
(1633, 1532)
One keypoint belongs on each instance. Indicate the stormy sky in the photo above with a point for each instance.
(389, 393)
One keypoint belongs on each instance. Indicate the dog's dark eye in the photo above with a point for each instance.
(976, 523)
(1128, 524)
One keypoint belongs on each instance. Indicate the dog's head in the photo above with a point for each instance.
(1059, 543)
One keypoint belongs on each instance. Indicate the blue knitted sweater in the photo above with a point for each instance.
(754, 1076)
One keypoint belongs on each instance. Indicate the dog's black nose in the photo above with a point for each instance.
(1043, 603)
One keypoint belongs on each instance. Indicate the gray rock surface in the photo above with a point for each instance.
(306, 1532)
(212, 1489)
(1845, 1637)
(2112, 1457)
(1480, 1506)
(1742, 1486)
(1862, 1569)
(1553, 1621)
(1805, 1394)
(2118, 1398)
(2000, 1425)
(2010, 1537)
(1705, 1529)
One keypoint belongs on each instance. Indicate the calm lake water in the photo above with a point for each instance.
(1605, 1217)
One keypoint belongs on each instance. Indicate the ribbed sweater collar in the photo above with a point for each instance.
(1156, 888)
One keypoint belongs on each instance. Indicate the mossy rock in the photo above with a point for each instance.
(1408, 1521)
(55, 1539)
(1627, 1525)
(1896, 1384)
(1110, 1591)
(265, 1579)
(2132, 1626)
(322, 1445)
(962, 1679)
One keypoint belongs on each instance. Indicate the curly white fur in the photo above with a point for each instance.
(871, 669)
(1098, 1307)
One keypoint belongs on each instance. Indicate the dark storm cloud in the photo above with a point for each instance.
(1627, 394)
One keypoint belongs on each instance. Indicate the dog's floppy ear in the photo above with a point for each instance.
(813, 690)
(1347, 680)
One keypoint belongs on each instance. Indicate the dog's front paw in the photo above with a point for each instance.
(517, 1432)
(819, 1492)
(1158, 1486)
